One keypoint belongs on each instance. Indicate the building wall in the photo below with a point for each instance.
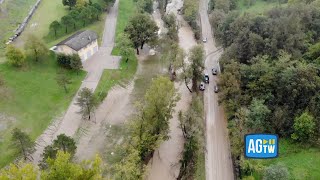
(89, 50)
(84, 53)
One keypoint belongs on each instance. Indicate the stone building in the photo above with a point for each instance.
(83, 43)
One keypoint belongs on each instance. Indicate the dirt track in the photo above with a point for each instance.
(218, 157)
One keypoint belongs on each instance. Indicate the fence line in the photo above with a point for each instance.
(24, 23)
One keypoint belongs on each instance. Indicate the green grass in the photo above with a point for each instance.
(55, 11)
(12, 13)
(258, 7)
(303, 162)
(127, 9)
(34, 99)
(47, 12)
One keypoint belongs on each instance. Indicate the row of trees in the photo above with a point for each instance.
(147, 130)
(56, 163)
(270, 81)
(84, 14)
(192, 126)
(190, 13)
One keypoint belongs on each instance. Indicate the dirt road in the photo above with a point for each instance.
(218, 157)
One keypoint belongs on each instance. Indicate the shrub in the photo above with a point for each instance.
(15, 56)
(276, 172)
(304, 127)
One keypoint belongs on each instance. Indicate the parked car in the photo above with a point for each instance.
(214, 71)
(206, 78)
(215, 88)
(204, 40)
(202, 86)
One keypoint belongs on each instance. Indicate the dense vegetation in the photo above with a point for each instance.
(190, 13)
(79, 16)
(270, 81)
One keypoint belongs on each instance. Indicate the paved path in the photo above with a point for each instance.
(71, 120)
(218, 157)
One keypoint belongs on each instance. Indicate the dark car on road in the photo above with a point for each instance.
(215, 88)
(214, 71)
(206, 78)
(202, 86)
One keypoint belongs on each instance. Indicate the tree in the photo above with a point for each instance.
(85, 15)
(87, 102)
(55, 25)
(36, 48)
(257, 116)
(67, 21)
(175, 55)
(64, 60)
(21, 170)
(194, 71)
(81, 4)
(160, 99)
(62, 168)
(22, 143)
(15, 56)
(75, 63)
(276, 172)
(304, 127)
(125, 45)
(66, 144)
(63, 80)
(70, 3)
(141, 29)
(61, 143)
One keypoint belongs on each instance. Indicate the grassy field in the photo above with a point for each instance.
(48, 11)
(258, 7)
(34, 99)
(12, 13)
(302, 162)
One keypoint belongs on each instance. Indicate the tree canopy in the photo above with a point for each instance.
(141, 29)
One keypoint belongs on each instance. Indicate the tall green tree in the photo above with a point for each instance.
(87, 102)
(126, 46)
(55, 25)
(175, 56)
(67, 21)
(257, 116)
(36, 48)
(62, 143)
(85, 15)
(75, 63)
(70, 3)
(15, 56)
(141, 29)
(63, 80)
(22, 143)
(194, 71)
